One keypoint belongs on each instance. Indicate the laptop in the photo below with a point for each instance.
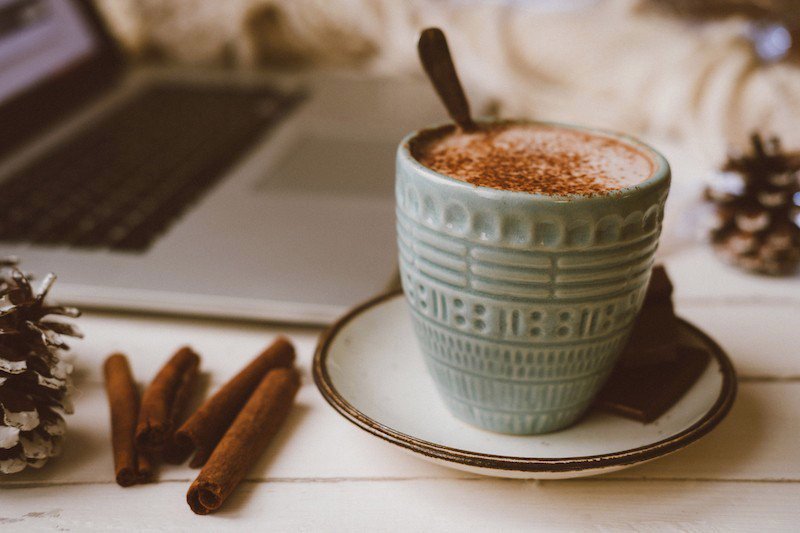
(220, 193)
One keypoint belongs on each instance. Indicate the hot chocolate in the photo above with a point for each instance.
(533, 158)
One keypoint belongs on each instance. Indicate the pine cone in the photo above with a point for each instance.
(756, 210)
(34, 381)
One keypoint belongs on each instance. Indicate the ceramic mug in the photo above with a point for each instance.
(521, 302)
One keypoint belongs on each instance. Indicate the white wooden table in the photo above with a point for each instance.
(324, 474)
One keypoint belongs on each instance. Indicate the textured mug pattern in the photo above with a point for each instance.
(521, 303)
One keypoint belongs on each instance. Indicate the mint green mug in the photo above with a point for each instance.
(522, 302)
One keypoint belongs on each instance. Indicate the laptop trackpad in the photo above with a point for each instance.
(323, 165)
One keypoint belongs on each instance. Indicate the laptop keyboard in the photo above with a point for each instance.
(121, 183)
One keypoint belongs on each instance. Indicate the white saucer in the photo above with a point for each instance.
(369, 368)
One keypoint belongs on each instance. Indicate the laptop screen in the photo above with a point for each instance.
(39, 40)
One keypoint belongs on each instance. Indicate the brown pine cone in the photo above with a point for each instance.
(756, 200)
(34, 380)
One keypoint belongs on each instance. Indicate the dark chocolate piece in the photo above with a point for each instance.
(655, 333)
(660, 286)
(645, 393)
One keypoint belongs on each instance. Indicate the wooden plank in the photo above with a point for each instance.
(415, 505)
(757, 441)
(315, 442)
(761, 338)
(149, 341)
(699, 276)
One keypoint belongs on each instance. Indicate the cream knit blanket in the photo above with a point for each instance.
(612, 63)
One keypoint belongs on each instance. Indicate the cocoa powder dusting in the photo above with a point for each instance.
(515, 157)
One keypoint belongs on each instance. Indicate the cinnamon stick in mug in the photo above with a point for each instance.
(245, 441)
(123, 400)
(162, 398)
(204, 429)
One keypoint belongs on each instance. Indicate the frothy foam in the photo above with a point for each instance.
(533, 158)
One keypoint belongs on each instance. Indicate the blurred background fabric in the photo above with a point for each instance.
(698, 73)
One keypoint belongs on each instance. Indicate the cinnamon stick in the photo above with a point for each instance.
(204, 429)
(161, 402)
(245, 441)
(145, 468)
(123, 400)
(174, 452)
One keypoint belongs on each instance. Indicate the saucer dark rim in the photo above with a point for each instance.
(714, 416)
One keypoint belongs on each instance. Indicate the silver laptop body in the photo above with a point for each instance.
(298, 228)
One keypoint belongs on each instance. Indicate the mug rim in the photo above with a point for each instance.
(660, 175)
